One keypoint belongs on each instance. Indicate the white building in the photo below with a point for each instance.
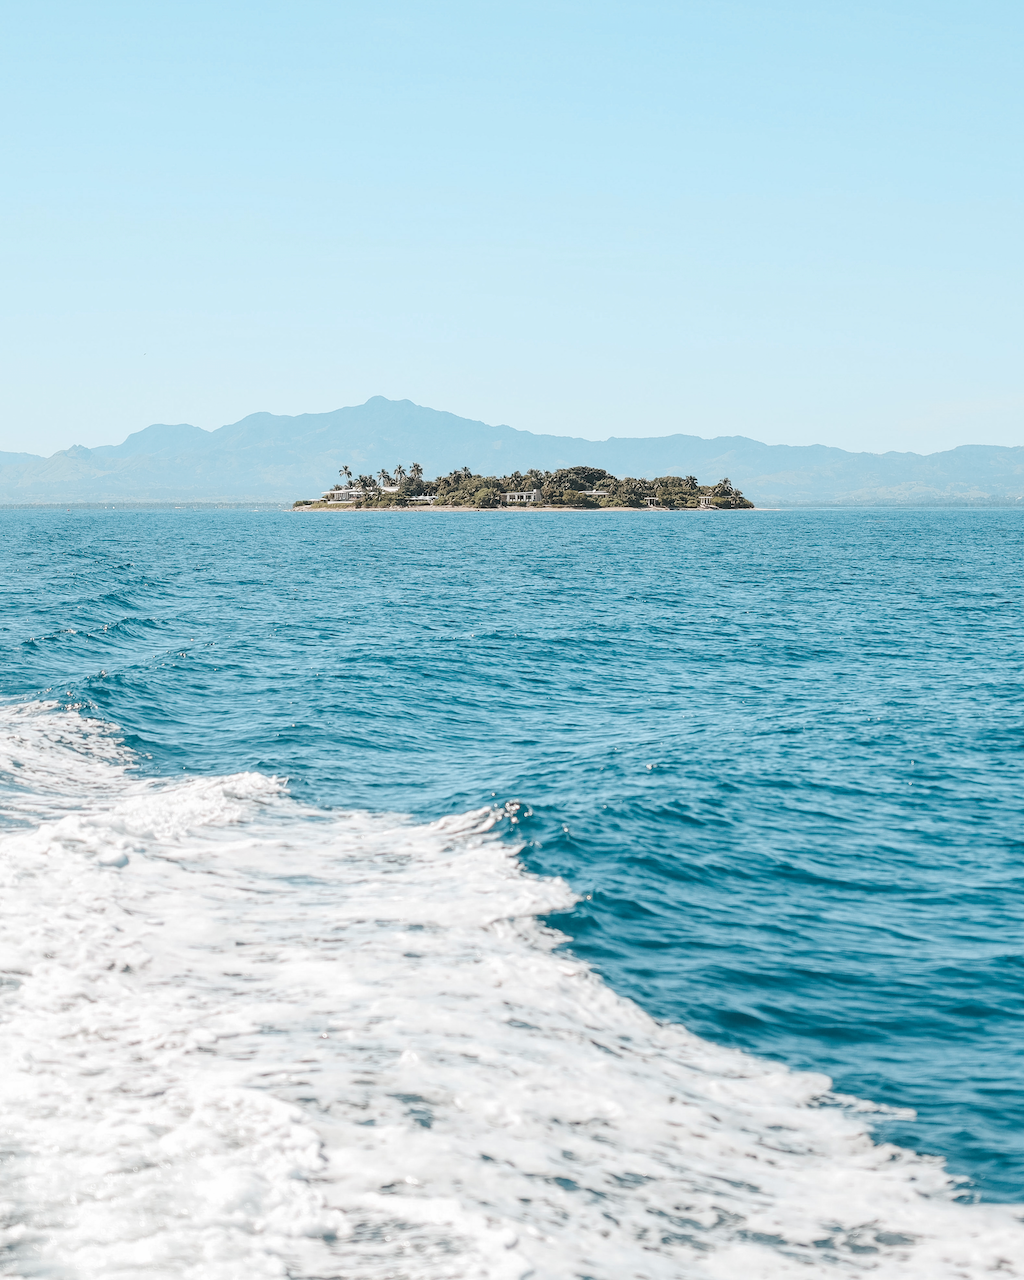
(527, 495)
(340, 494)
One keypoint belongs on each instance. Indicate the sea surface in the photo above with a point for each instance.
(607, 895)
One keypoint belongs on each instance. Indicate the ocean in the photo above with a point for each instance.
(613, 895)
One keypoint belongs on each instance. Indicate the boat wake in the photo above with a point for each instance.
(243, 1038)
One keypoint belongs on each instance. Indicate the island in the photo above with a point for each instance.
(577, 488)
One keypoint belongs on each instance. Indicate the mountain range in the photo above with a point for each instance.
(274, 458)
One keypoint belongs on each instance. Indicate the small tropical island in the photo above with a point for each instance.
(579, 488)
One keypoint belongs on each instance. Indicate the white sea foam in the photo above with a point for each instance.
(244, 1039)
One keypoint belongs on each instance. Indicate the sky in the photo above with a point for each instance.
(794, 220)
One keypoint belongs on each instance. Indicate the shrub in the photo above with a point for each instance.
(573, 499)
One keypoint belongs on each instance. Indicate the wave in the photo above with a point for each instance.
(244, 1038)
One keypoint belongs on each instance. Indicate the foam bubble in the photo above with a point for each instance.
(247, 1039)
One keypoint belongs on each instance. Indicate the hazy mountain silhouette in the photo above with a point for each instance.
(274, 458)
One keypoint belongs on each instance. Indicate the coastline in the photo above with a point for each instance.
(523, 509)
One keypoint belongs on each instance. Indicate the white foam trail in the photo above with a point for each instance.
(244, 1039)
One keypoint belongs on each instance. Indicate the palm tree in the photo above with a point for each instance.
(399, 474)
(416, 471)
(346, 475)
(367, 484)
(384, 478)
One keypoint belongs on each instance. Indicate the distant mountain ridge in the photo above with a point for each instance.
(269, 457)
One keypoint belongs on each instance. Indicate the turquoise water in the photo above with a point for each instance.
(777, 755)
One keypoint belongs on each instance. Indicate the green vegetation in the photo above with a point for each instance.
(578, 487)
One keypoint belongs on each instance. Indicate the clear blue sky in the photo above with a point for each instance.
(797, 220)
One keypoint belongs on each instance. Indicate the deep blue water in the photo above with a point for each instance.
(779, 752)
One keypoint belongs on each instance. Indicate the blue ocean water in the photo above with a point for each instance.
(777, 754)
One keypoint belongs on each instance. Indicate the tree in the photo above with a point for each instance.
(580, 478)
(567, 486)
(675, 491)
(576, 498)
(628, 492)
